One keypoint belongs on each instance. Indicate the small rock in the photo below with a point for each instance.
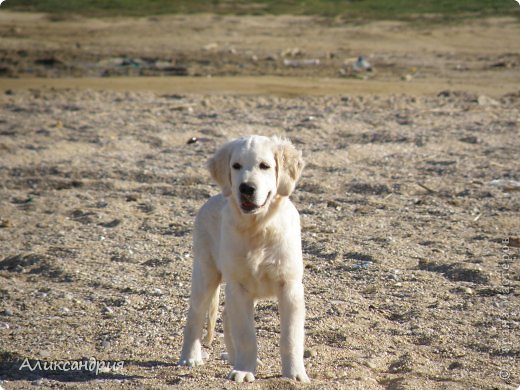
(407, 77)
(467, 290)
(506, 185)
(403, 364)
(471, 139)
(362, 64)
(109, 313)
(37, 382)
(301, 63)
(455, 366)
(5, 223)
(44, 353)
(64, 310)
(157, 292)
(111, 224)
(210, 46)
(8, 313)
(291, 52)
(309, 352)
(487, 101)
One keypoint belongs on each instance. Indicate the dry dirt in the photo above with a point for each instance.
(409, 201)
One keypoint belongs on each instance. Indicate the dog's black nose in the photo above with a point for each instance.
(246, 189)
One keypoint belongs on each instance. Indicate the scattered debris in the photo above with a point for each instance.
(362, 65)
(292, 52)
(194, 140)
(506, 185)
(5, 223)
(470, 139)
(210, 46)
(301, 63)
(487, 101)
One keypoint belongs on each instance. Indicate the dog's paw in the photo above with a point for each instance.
(241, 376)
(299, 376)
(303, 378)
(191, 362)
(193, 359)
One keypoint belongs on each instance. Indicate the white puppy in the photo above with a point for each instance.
(249, 238)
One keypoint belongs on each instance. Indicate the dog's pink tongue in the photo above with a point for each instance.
(248, 205)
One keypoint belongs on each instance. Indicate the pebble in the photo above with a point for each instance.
(211, 46)
(5, 223)
(467, 290)
(131, 198)
(44, 353)
(8, 313)
(487, 101)
(68, 296)
(455, 366)
(309, 352)
(37, 382)
(108, 310)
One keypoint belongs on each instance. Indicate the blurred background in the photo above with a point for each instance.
(464, 43)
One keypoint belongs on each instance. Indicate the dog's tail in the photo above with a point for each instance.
(212, 316)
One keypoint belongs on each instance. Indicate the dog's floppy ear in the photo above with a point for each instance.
(289, 165)
(218, 166)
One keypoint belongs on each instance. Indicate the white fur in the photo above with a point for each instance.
(253, 245)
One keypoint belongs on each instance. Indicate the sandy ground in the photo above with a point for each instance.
(409, 200)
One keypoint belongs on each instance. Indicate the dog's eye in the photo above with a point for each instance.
(237, 166)
(264, 166)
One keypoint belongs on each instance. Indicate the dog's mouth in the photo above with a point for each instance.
(249, 207)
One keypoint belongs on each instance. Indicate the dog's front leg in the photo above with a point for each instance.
(240, 317)
(204, 285)
(292, 319)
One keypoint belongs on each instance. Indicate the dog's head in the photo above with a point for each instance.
(254, 170)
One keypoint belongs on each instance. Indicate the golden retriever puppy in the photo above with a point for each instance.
(248, 237)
